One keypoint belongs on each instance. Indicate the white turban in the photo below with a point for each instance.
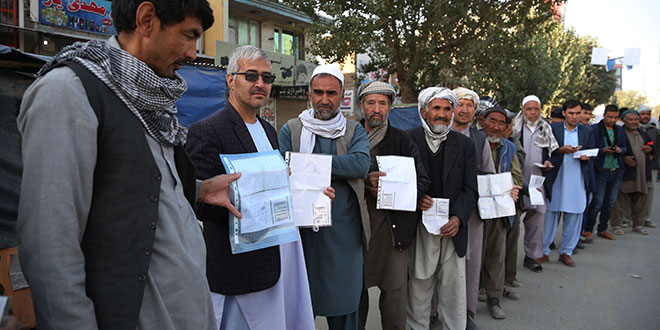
(530, 98)
(463, 93)
(331, 70)
(643, 108)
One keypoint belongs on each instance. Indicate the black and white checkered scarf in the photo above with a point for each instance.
(152, 99)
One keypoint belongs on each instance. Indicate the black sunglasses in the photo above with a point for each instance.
(268, 78)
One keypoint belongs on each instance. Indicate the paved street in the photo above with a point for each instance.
(614, 286)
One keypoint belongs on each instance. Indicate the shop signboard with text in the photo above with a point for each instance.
(82, 15)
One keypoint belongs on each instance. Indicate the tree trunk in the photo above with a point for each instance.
(408, 94)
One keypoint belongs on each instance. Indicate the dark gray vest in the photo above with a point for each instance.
(479, 138)
(123, 216)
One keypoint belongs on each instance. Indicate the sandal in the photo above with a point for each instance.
(617, 230)
(640, 230)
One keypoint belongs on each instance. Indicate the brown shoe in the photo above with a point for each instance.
(607, 235)
(566, 260)
(543, 259)
(588, 234)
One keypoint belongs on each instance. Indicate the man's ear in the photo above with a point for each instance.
(230, 80)
(146, 19)
(423, 112)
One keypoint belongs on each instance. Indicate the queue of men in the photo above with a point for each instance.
(113, 187)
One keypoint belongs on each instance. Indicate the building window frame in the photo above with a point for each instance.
(297, 41)
(244, 31)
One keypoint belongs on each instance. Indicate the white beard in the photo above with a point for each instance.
(493, 139)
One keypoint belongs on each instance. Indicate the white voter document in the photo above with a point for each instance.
(586, 152)
(263, 189)
(495, 199)
(535, 196)
(398, 189)
(310, 176)
(437, 216)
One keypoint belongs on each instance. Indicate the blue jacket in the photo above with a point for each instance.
(601, 143)
(505, 154)
(586, 140)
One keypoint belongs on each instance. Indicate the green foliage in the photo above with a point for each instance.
(506, 48)
(628, 99)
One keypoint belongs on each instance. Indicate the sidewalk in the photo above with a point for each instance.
(603, 291)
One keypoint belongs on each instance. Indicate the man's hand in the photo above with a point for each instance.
(647, 149)
(584, 157)
(617, 149)
(371, 182)
(330, 192)
(629, 161)
(609, 150)
(547, 165)
(215, 191)
(568, 149)
(451, 228)
(515, 191)
(426, 203)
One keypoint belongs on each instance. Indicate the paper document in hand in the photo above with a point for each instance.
(262, 196)
(310, 176)
(586, 152)
(494, 184)
(535, 196)
(398, 189)
(437, 216)
(495, 199)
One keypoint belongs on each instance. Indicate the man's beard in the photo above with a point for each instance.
(325, 114)
(493, 139)
(532, 123)
(375, 122)
(439, 128)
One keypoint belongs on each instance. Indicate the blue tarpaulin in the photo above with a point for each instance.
(205, 95)
(404, 117)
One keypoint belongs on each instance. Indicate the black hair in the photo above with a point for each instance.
(571, 104)
(611, 108)
(587, 106)
(169, 12)
(556, 113)
(622, 110)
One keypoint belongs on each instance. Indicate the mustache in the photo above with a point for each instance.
(446, 120)
(258, 89)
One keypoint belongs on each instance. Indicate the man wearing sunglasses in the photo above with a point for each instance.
(262, 289)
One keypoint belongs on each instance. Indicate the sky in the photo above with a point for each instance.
(621, 24)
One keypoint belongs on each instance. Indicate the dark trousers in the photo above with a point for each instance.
(607, 189)
(343, 322)
(511, 258)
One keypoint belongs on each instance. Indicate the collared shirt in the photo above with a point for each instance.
(610, 161)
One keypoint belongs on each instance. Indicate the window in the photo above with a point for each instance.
(8, 12)
(290, 43)
(243, 31)
(9, 16)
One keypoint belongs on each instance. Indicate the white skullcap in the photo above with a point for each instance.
(643, 108)
(463, 93)
(329, 69)
(530, 98)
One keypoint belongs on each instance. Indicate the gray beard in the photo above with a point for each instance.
(373, 123)
(493, 139)
(324, 114)
(536, 122)
(439, 129)
(645, 126)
